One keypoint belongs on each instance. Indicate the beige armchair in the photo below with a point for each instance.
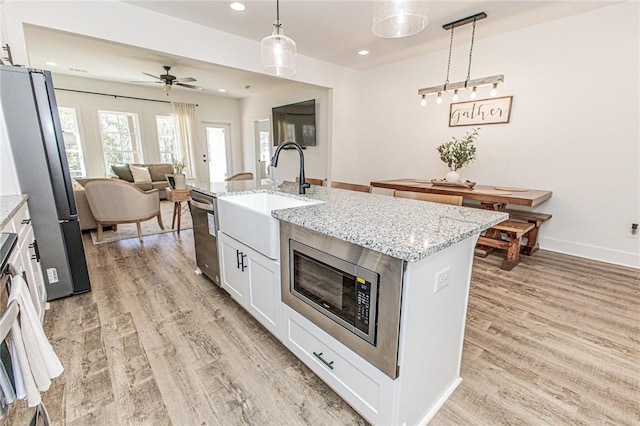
(113, 201)
(240, 176)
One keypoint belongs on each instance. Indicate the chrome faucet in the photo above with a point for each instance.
(274, 163)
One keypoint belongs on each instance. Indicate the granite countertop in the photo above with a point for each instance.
(9, 205)
(406, 229)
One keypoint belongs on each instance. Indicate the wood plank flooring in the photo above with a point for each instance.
(554, 341)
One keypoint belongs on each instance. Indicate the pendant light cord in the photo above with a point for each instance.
(446, 82)
(278, 24)
(473, 34)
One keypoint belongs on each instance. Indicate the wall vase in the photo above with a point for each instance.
(453, 176)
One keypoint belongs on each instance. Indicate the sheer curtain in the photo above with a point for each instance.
(187, 134)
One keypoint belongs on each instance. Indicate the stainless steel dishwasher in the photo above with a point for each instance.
(205, 234)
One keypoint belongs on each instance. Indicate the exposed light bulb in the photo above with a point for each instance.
(439, 99)
(455, 96)
(473, 93)
(423, 101)
(494, 90)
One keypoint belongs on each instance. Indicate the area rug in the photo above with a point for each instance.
(149, 227)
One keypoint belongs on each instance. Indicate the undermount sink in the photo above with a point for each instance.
(247, 218)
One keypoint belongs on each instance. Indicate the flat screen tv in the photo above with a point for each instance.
(296, 123)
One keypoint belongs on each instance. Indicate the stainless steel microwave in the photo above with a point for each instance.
(341, 290)
(352, 293)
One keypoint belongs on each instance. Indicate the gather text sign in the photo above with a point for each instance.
(482, 111)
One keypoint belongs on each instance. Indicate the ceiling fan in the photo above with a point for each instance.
(171, 80)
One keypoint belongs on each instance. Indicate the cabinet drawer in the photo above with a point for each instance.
(370, 394)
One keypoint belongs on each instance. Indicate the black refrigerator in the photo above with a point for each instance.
(35, 136)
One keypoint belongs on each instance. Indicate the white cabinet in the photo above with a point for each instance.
(253, 280)
(364, 387)
(233, 277)
(25, 259)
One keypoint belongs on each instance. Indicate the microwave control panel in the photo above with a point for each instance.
(363, 304)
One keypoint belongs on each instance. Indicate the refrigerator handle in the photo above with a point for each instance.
(54, 145)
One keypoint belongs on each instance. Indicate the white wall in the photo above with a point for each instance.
(211, 108)
(315, 157)
(574, 124)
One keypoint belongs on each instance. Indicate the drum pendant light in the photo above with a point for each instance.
(278, 51)
(399, 18)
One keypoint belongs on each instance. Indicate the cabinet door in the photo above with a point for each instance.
(264, 291)
(34, 271)
(233, 279)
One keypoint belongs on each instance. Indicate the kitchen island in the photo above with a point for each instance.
(432, 243)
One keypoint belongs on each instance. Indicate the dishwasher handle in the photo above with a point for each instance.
(202, 206)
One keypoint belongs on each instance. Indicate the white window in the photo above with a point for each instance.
(72, 144)
(167, 139)
(120, 138)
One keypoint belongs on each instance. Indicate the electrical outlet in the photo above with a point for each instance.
(634, 232)
(442, 279)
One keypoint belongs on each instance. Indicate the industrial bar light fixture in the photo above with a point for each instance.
(493, 80)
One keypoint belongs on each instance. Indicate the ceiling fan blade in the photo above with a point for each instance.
(151, 75)
(147, 81)
(185, 80)
(190, 86)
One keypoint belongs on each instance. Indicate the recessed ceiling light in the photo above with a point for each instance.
(237, 6)
(222, 90)
(53, 64)
(363, 52)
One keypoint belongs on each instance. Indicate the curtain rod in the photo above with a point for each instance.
(115, 96)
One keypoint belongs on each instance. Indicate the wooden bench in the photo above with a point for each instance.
(537, 219)
(514, 230)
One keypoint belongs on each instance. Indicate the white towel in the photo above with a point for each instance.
(25, 384)
(41, 363)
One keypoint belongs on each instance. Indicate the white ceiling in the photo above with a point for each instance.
(333, 31)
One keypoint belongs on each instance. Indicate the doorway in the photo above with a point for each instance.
(262, 147)
(217, 157)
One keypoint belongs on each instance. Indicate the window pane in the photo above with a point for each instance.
(167, 139)
(120, 139)
(72, 143)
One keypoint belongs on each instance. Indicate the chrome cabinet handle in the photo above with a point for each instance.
(319, 356)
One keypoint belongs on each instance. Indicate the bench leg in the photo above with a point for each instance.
(513, 252)
(532, 242)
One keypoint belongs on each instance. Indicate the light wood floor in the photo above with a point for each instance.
(555, 341)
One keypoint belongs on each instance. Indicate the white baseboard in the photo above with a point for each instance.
(602, 254)
(436, 407)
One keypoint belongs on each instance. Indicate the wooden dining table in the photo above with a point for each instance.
(492, 198)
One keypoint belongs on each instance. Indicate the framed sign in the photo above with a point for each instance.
(482, 111)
